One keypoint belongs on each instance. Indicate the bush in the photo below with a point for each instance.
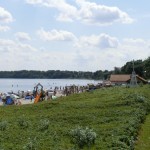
(83, 137)
(31, 145)
(23, 123)
(141, 84)
(118, 145)
(43, 125)
(140, 98)
(134, 97)
(3, 125)
(1, 148)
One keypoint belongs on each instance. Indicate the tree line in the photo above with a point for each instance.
(142, 68)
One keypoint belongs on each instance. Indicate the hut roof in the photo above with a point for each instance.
(142, 79)
(120, 77)
(124, 78)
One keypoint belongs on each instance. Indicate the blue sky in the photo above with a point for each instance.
(81, 35)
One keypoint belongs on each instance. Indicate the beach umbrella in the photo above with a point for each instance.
(13, 96)
(54, 97)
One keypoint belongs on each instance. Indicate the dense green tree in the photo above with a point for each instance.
(106, 74)
(142, 68)
(117, 70)
(98, 74)
(138, 67)
(147, 68)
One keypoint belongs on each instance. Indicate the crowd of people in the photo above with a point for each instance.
(47, 94)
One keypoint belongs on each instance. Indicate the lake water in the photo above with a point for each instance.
(7, 85)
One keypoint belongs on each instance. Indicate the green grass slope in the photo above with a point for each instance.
(115, 114)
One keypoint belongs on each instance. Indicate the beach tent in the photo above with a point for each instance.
(9, 101)
(29, 97)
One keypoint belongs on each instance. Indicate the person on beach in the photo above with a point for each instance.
(46, 95)
(19, 102)
(31, 97)
(54, 92)
(4, 101)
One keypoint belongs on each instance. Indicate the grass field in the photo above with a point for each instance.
(114, 114)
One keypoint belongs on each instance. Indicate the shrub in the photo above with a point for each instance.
(134, 97)
(122, 142)
(31, 145)
(23, 123)
(118, 145)
(83, 137)
(1, 148)
(141, 84)
(3, 125)
(43, 125)
(140, 98)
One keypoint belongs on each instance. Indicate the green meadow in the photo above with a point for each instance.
(114, 114)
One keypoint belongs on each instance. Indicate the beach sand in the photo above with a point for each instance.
(28, 101)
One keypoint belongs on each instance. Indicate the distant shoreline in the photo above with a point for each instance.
(52, 74)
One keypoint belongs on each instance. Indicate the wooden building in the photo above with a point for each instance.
(125, 79)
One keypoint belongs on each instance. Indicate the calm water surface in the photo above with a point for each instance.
(7, 85)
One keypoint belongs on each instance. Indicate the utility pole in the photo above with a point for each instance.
(133, 81)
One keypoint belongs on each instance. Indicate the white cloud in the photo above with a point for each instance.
(87, 12)
(16, 55)
(93, 13)
(5, 16)
(67, 11)
(55, 35)
(101, 41)
(14, 47)
(126, 50)
(22, 36)
(135, 42)
(34, 1)
(85, 58)
(135, 48)
(24, 56)
(4, 28)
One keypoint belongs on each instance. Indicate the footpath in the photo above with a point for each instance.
(143, 142)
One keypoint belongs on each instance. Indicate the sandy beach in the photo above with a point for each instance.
(28, 101)
(22, 100)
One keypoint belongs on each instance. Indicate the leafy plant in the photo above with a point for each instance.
(23, 123)
(3, 125)
(83, 137)
(117, 144)
(32, 144)
(140, 98)
(1, 148)
(43, 125)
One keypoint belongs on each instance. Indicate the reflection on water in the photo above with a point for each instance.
(7, 85)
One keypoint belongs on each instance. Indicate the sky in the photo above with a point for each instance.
(75, 35)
